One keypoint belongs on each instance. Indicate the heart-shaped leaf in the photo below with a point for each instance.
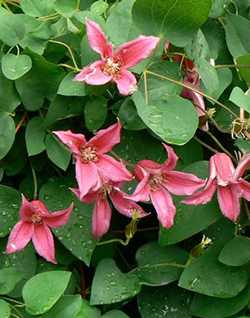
(15, 66)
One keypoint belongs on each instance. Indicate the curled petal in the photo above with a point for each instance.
(172, 158)
(202, 196)
(106, 139)
(127, 83)
(150, 167)
(58, 219)
(142, 191)
(163, 203)
(244, 189)
(87, 176)
(112, 169)
(125, 206)
(19, 236)
(224, 167)
(135, 51)
(44, 242)
(101, 218)
(180, 183)
(88, 198)
(93, 74)
(243, 164)
(26, 209)
(98, 40)
(73, 141)
(229, 201)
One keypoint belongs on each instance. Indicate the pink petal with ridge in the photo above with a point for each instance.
(127, 83)
(57, 219)
(224, 167)
(19, 236)
(101, 218)
(98, 40)
(229, 201)
(150, 167)
(243, 164)
(181, 183)
(244, 189)
(135, 51)
(141, 192)
(171, 160)
(26, 209)
(71, 140)
(163, 203)
(44, 242)
(107, 138)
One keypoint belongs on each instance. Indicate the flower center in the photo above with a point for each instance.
(88, 154)
(36, 219)
(154, 180)
(113, 66)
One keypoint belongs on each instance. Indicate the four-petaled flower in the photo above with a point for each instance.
(34, 224)
(102, 212)
(228, 181)
(157, 179)
(113, 65)
(91, 158)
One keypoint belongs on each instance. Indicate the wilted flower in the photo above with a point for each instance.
(113, 65)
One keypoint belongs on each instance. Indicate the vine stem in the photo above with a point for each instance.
(123, 160)
(21, 121)
(35, 181)
(124, 243)
(194, 90)
(205, 145)
(232, 65)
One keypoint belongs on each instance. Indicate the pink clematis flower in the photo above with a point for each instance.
(102, 212)
(157, 179)
(91, 157)
(35, 224)
(113, 65)
(224, 177)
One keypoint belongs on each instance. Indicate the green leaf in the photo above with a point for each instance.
(188, 153)
(198, 47)
(8, 279)
(129, 117)
(4, 309)
(99, 7)
(67, 306)
(69, 87)
(155, 264)
(9, 99)
(243, 145)
(208, 74)
(59, 155)
(42, 81)
(225, 78)
(205, 306)
(12, 29)
(66, 8)
(88, 311)
(244, 71)
(110, 285)
(239, 98)
(218, 8)
(7, 133)
(35, 128)
(95, 112)
(172, 118)
(166, 301)
(10, 200)
(236, 252)
(14, 66)
(238, 41)
(115, 314)
(37, 8)
(189, 219)
(176, 20)
(42, 291)
(76, 235)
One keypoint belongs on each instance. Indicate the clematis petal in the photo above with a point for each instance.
(44, 242)
(202, 196)
(124, 205)
(57, 219)
(106, 139)
(224, 167)
(112, 169)
(141, 192)
(101, 218)
(98, 40)
(150, 167)
(127, 83)
(26, 209)
(19, 236)
(180, 183)
(163, 203)
(87, 176)
(172, 159)
(229, 201)
(73, 141)
(134, 51)
(93, 74)
(243, 164)
(244, 189)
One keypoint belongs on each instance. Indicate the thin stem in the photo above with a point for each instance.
(35, 181)
(123, 160)
(70, 51)
(194, 90)
(18, 50)
(14, 1)
(22, 120)
(124, 259)
(205, 145)
(235, 6)
(18, 312)
(78, 5)
(232, 65)
(221, 146)
(115, 240)
(139, 230)
(12, 300)
(146, 86)
(69, 66)
(6, 6)
(49, 17)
